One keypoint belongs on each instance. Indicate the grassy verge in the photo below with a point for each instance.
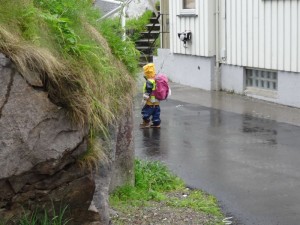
(160, 195)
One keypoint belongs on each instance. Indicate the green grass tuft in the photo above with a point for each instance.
(198, 201)
(152, 179)
(153, 175)
(55, 217)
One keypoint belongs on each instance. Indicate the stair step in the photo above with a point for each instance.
(153, 26)
(145, 49)
(152, 34)
(144, 62)
(148, 38)
(141, 64)
(142, 47)
(154, 20)
(146, 58)
(145, 42)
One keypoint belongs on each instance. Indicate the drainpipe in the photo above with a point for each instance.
(217, 78)
(123, 19)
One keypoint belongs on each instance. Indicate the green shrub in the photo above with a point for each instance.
(138, 25)
(125, 51)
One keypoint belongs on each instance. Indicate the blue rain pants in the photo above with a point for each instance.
(154, 111)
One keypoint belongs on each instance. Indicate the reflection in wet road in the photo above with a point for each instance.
(250, 164)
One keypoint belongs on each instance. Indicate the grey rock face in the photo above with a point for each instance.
(39, 147)
(31, 127)
(122, 169)
(118, 169)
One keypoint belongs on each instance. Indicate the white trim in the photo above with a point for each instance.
(113, 1)
(187, 12)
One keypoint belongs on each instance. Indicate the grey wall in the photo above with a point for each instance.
(193, 71)
(196, 71)
(288, 88)
(232, 78)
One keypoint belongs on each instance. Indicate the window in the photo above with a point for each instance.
(187, 8)
(261, 79)
(188, 4)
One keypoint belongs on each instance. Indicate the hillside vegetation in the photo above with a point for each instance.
(61, 43)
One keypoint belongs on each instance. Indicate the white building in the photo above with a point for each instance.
(134, 9)
(249, 47)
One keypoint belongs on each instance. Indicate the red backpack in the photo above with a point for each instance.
(162, 87)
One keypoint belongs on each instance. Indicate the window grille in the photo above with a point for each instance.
(261, 79)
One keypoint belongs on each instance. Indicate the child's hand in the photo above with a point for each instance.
(145, 96)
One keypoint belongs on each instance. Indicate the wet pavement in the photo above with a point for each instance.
(245, 152)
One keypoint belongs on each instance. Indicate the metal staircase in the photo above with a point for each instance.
(146, 44)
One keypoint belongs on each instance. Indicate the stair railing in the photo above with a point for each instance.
(164, 27)
(150, 45)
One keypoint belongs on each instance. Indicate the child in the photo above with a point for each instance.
(151, 107)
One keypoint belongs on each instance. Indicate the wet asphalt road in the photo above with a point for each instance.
(245, 157)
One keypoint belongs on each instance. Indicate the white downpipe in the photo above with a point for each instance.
(123, 20)
(217, 80)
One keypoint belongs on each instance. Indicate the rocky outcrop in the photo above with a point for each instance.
(39, 147)
(118, 169)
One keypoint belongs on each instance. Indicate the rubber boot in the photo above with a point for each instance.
(144, 125)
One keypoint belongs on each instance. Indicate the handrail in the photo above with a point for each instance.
(163, 30)
(150, 45)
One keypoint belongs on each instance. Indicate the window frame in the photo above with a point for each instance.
(188, 12)
(259, 83)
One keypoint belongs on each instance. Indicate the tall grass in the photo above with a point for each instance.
(137, 25)
(55, 217)
(112, 31)
(61, 42)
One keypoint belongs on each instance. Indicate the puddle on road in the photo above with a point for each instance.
(263, 128)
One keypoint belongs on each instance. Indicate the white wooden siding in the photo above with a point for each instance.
(201, 25)
(260, 33)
